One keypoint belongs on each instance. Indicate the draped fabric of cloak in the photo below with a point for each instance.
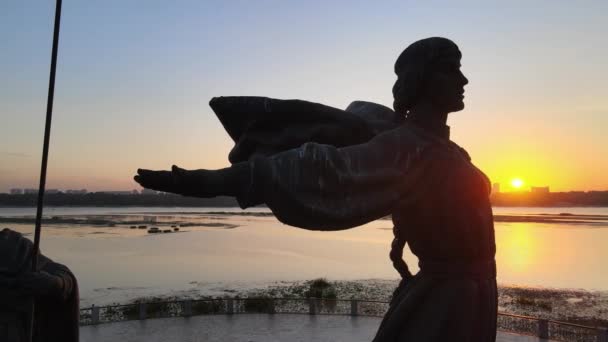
(439, 202)
(262, 126)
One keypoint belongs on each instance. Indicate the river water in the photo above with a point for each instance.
(221, 246)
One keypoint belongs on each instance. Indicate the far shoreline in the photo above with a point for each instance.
(114, 199)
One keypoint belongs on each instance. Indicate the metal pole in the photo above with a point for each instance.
(45, 147)
(47, 134)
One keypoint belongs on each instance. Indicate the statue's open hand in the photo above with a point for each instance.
(166, 181)
(203, 183)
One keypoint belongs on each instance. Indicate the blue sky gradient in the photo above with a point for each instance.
(135, 77)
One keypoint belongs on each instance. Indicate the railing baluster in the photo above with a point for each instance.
(142, 311)
(354, 307)
(543, 328)
(312, 307)
(94, 315)
(187, 308)
(602, 335)
(230, 306)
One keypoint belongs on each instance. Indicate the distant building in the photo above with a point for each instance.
(149, 192)
(539, 189)
(76, 192)
(496, 188)
(16, 191)
(30, 191)
(51, 191)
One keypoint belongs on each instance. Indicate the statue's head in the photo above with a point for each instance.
(429, 71)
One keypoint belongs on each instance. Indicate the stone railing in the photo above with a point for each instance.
(548, 329)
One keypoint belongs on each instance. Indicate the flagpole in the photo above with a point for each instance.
(45, 147)
(47, 134)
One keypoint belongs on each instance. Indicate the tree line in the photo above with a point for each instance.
(98, 199)
(551, 199)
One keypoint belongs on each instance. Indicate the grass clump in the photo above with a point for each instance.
(534, 303)
(324, 292)
(320, 288)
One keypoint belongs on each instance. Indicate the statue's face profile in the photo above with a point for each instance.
(428, 73)
(444, 83)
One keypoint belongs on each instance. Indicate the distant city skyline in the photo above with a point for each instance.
(134, 80)
(496, 188)
(533, 197)
(25, 191)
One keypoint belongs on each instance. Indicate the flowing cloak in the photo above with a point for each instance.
(439, 202)
(261, 126)
(323, 174)
(56, 318)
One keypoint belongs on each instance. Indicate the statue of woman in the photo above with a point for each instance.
(439, 201)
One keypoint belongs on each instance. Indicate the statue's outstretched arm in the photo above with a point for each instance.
(197, 183)
(315, 186)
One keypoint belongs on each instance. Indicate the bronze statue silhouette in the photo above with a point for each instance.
(322, 168)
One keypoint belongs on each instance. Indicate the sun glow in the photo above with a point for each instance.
(517, 183)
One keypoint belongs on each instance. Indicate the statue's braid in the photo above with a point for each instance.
(396, 254)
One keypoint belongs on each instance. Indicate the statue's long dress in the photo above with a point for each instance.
(439, 203)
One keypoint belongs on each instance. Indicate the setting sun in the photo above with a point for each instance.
(517, 183)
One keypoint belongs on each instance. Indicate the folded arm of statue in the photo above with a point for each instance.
(315, 186)
(51, 280)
